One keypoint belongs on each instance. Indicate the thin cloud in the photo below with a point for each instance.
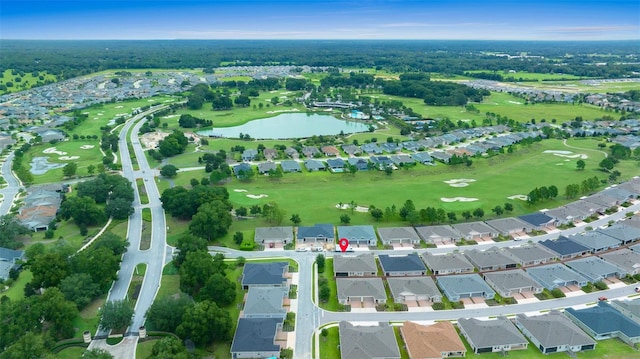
(592, 29)
(424, 24)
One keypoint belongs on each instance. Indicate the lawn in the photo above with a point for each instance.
(16, 290)
(86, 151)
(88, 319)
(314, 196)
(26, 82)
(332, 304)
(533, 76)
(71, 353)
(330, 345)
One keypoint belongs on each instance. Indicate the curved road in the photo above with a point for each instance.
(13, 186)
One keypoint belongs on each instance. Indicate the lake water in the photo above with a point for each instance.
(290, 125)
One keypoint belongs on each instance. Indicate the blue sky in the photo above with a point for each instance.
(329, 19)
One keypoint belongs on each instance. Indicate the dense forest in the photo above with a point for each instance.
(67, 59)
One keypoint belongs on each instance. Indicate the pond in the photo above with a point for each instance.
(289, 125)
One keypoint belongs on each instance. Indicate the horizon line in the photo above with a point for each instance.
(321, 39)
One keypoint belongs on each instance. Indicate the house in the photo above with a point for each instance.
(310, 151)
(401, 265)
(488, 336)
(336, 165)
(275, 235)
(490, 259)
(330, 151)
(315, 233)
(360, 265)
(565, 248)
(530, 255)
(629, 308)
(422, 157)
(265, 302)
(402, 160)
(360, 163)
(242, 169)
(508, 283)
(457, 287)
(556, 275)
(270, 154)
(442, 233)
(436, 341)
(366, 290)
(292, 153)
(595, 269)
(603, 321)
(596, 241)
(554, 333)
(314, 165)
(625, 259)
(381, 162)
(566, 214)
(371, 148)
(256, 338)
(510, 226)
(290, 166)
(272, 274)
(351, 150)
(538, 220)
(451, 263)
(475, 230)
(9, 260)
(621, 231)
(358, 235)
(390, 147)
(48, 135)
(407, 289)
(266, 167)
(441, 156)
(249, 154)
(393, 235)
(364, 342)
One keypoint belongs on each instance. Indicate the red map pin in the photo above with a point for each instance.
(344, 244)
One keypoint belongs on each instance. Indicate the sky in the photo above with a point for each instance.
(313, 19)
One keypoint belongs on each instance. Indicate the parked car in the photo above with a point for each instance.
(602, 298)
(637, 289)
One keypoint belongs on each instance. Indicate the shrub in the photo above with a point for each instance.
(600, 285)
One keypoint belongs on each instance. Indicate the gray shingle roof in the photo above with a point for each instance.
(256, 335)
(264, 273)
(413, 285)
(624, 258)
(564, 246)
(365, 342)
(530, 253)
(360, 287)
(492, 257)
(274, 233)
(490, 333)
(356, 232)
(537, 219)
(621, 232)
(265, 302)
(554, 329)
(390, 233)
(431, 233)
(401, 263)
(595, 269)
(604, 319)
(447, 262)
(316, 231)
(364, 262)
(595, 241)
(556, 275)
(463, 284)
(473, 228)
(510, 224)
(509, 280)
(290, 166)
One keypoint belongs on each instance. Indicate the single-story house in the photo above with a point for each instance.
(354, 265)
(566, 215)
(488, 336)
(450, 263)
(364, 342)
(621, 231)
(405, 289)
(330, 151)
(272, 274)
(265, 302)
(511, 282)
(509, 226)
(565, 248)
(529, 255)
(625, 259)
(266, 167)
(490, 259)
(538, 220)
(629, 308)
(351, 149)
(242, 169)
(371, 148)
(554, 333)
(402, 265)
(290, 166)
(436, 341)
(360, 163)
(401, 160)
(314, 165)
(392, 235)
(441, 156)
(603, 321)
(596, 241)
(360, 290)
(268, 235)
(556, 275)
(249, 154)
(475, 230)
(336, 165)
(310, 151)
(316, 233)
(457, 287)
(422, 157)
(595, 269)
(358, 235)
(9, 259)
(442, 233)
(256, 338)
(270, 153)
(381, 162)
(292, 152)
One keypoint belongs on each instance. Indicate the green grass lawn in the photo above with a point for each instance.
(314, 196)
(88, 318)
(71, 353)
(87, 151)
(332, 304)
(26, 82)
(329, 345)
(533, 76)
(16, 290)
(143, 349)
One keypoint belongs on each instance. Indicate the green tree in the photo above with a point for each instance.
(204, 323)
(119, 208)
(376, 213)
(497, 210)
(97, 354)
(607, 164)
(273, 213)
(169, 347)
(478, 213)
(466, 215)
(79, 288)
(10, 230)
(188, 243)
(70, 169)
(295, 219)
(212, 221)
(165, 314)
(197, 268)
(451, 216)
(83, 210)
(116, 314)
(169, 171)
(345, 219)
(29, 345)
(57, 313)
(572, 191)
(320, 262)
(219, 289)
(580, 164)
(91, 169)
(241, 211)
(238, 237)
(508, 207)
(48, 269)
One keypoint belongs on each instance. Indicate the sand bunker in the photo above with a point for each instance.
(459, 182)
(87, 147)
(54, 150)
(239, 190)
(357, 209)
(120, 106)
(567, 154)
(68, 158)
(458, 199)
(519, 196)
(257, 196)
(515, 102)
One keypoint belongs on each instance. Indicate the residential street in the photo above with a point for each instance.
(13, 186)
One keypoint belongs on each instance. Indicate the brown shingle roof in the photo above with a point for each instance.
(426, 342)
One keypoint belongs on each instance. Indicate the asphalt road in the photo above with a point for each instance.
(13, 186)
